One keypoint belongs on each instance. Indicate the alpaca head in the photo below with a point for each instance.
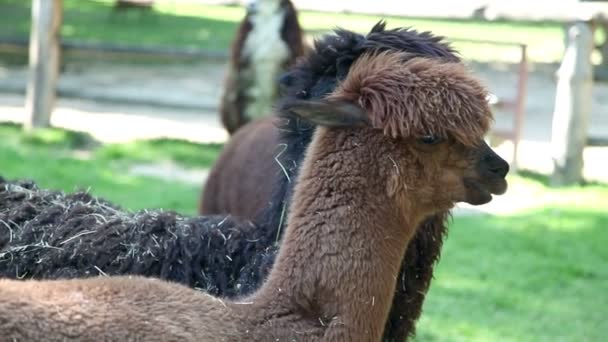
(431, 113)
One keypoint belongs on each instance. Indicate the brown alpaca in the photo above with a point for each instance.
(240, 184)
(229, 187)
(370, 176)
(268, 41)
(247, 164)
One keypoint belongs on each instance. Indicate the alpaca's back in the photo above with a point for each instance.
(241, 180)
(111, 309)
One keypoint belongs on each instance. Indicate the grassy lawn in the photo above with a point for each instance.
(538, 275)
(213, 27)
(60, 160)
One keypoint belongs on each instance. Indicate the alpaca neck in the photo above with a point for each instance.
(344, 242)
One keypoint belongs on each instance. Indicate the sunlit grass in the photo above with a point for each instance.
(59, 159)
(534, 276)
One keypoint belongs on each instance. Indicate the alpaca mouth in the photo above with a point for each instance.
(480, 192)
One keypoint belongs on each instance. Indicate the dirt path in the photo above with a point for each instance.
(121, 122)
(171, 172)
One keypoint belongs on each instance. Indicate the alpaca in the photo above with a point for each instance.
(252, 162)
(50, 235)
(407, 129)
(246, 167)
(268, 41)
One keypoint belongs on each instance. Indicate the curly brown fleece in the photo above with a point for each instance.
(421, 97)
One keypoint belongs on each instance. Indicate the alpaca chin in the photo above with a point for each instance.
(479, 193)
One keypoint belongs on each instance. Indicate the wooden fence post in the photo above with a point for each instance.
(44, 54)
(572, 106)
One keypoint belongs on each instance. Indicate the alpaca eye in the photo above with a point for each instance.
(429, 140)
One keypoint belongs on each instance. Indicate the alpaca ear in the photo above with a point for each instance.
(330, 113)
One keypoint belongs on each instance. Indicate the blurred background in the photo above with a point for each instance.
(122, 97)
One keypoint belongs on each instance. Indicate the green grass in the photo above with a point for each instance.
(68, 161)
(538, 275)
(183, 152)
(213, 27)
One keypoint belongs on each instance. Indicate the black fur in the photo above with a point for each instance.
(48, 234)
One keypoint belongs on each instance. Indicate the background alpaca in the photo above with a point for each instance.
(240, 182)
(268, 41)
(335, 273)
(252, 162)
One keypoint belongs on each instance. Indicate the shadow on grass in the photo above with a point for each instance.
(533, 276)
(56, 138)
(183, 152)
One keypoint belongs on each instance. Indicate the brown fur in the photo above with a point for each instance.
(336, 270)
(107, 309)
(416, 96)
(247, 164)
(292, 35)
(240, 184)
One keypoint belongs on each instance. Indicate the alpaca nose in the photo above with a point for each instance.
(496, 165)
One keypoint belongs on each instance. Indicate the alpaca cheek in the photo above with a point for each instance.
(451, 186)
